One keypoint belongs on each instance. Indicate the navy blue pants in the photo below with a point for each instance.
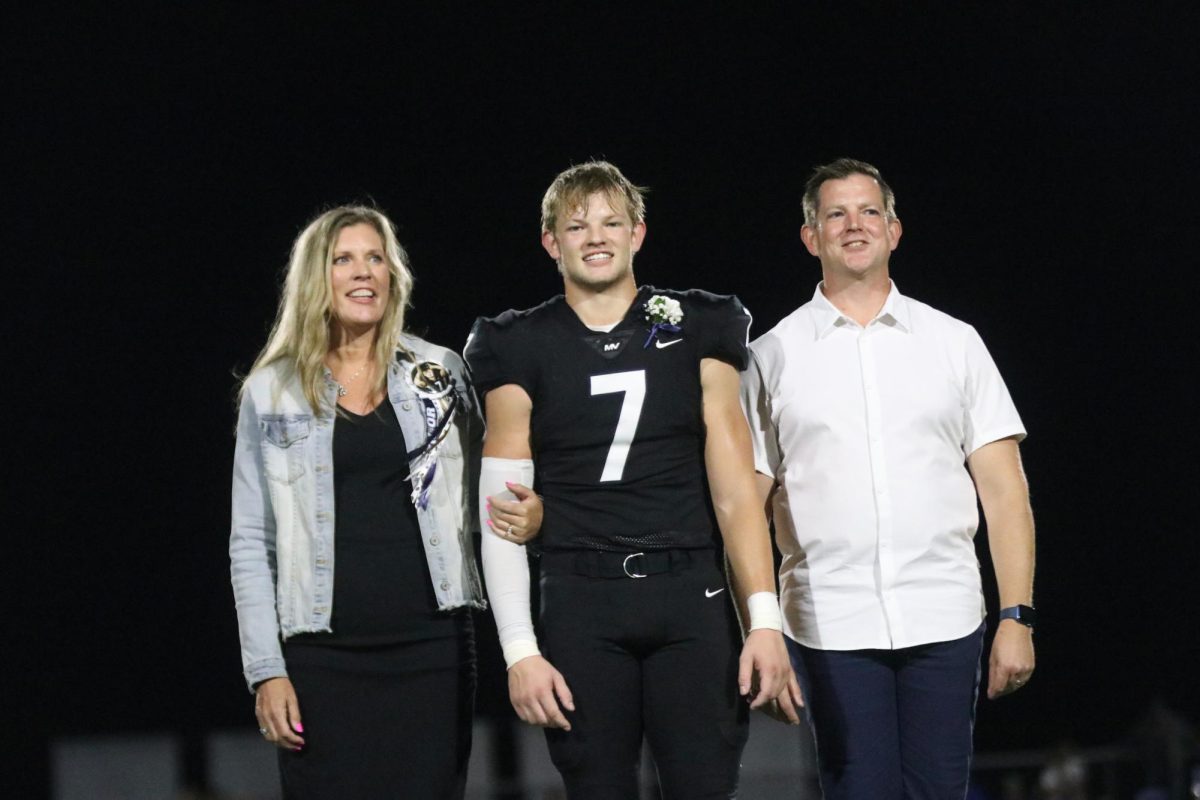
(892, 724)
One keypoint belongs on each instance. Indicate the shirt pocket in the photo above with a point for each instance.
(284, 443)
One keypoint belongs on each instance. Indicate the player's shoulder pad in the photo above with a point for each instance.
(513, 317)
(703, 301)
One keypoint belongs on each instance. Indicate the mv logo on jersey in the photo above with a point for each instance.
(609, 345)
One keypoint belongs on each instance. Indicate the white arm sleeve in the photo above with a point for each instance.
(505, 568)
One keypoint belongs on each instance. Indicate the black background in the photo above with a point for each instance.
(159, 163)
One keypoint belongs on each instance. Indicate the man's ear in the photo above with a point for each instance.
(638, 237)
(808, 235)
(551, 245)
(894, 231)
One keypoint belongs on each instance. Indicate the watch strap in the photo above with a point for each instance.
(1026, 615)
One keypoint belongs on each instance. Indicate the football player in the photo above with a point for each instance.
(626, 398)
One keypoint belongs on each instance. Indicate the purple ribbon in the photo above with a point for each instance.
(660, 326)
(425, 456)
(426, 482)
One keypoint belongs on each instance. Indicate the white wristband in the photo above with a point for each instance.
(518, 649)
(764, 611)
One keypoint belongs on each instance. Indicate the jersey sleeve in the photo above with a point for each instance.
(724, 327)
(496, 355)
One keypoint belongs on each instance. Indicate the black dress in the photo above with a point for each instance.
(386, 698)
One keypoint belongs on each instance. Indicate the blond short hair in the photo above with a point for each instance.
(572, 187)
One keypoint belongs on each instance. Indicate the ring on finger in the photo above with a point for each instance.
(509, 531)
(262, 731)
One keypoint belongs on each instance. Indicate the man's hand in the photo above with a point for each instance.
(278, 713)
(764, 671)
(517, 521)
(535, 689)
(785, 707)
(1012, 662)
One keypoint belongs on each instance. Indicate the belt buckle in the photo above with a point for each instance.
(625, 566)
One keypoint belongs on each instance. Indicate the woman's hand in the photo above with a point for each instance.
(278, 713)
(517, 521)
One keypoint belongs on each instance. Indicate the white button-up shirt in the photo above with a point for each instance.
(867, 430)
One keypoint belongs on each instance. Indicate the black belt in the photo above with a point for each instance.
(604, 564)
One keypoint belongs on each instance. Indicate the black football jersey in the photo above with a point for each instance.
(617, 426)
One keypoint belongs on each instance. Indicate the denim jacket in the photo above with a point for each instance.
(281, 540)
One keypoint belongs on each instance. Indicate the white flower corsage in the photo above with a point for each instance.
(665, 313)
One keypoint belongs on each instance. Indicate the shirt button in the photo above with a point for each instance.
(434, 540)
(445, 586)
(407, 406)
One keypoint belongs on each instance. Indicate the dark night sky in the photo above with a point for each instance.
(159, 164)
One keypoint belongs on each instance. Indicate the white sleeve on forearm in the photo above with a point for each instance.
(505, 568)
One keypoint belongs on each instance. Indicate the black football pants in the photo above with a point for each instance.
(655, 655)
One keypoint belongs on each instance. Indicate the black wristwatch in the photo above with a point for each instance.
(1025, 615)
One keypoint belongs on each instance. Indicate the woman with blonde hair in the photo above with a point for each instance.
(352, 542)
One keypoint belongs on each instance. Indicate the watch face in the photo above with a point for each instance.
(1025, 615)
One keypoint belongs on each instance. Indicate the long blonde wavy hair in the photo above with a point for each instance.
(301, 334)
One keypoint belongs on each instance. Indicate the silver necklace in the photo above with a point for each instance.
(341, 387)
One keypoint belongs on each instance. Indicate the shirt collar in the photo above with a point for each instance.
(895, 313)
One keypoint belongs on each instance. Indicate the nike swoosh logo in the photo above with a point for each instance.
(707, 592)
(661, 345)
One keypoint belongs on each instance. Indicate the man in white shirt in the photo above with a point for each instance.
(876, 421)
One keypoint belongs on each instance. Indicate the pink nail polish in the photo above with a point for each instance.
(299, 727)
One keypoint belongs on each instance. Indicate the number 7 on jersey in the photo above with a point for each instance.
(633, 384)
